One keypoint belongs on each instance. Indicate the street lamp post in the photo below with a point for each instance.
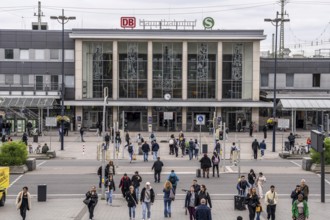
(62, 20)
(276, 22)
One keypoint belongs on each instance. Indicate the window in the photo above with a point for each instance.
(69, 81)
(9, 79)
(24, 54)
(17, 79)
(289, 79)
(54, 82)
(68, 54)
(316, 80)
(54, 54)
(39, 54)
(9, 54)
(39, 82)
(25, 79)
(264, 80)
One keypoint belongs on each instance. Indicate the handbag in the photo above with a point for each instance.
(134, 157)
(259, 208)
(86, 201)
(172, 195)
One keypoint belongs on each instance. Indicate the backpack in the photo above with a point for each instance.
(172, 179)
(171, 142)
(130, 148)
(152, 136)
(216, 160)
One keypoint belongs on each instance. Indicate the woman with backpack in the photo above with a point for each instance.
(215, 162)
(132, 202)
(167, 198)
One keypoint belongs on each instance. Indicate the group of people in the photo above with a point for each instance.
(190, 147)
(5, 127)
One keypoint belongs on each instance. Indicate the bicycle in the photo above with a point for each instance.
(37, 150)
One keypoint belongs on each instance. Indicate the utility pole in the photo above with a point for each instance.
(283, 13)
(39, 15)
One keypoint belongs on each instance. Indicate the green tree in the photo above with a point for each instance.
(316, 157)
(13, 153)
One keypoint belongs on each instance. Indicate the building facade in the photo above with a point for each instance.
(162, 79)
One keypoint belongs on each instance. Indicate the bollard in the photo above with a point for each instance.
(83, 149)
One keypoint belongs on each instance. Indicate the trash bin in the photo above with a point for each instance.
(287, 146)
(198, 173)
(35, 138)
(204, 149)
(42, 193)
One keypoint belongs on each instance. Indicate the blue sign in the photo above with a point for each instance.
(200, 119)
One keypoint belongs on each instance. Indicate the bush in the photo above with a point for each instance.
(316, 157)
(13, 153)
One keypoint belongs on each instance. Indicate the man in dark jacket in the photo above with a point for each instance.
(107, 140)
(291, 139)
(191, 148)
(205, 165)
(82, 134)
(124, 184)
(203, 212)
(295, 193)
(264, 129)
(136, 180)
(147, 199)
(255, 147)
(203, 194)
(25, 138)
(157, 167)
(155, 149)
(145, 149)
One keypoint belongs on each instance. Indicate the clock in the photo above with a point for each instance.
(167, 96)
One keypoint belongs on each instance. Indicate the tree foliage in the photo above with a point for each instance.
(316, 157)
(13, 153)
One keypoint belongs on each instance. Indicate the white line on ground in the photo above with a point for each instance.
(229, 169)
(327, 181)
(297, 164)
(41, 163)
(12, 183)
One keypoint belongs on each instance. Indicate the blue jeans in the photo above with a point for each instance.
(137, 193)
(131, 211)
(167, 206)
(154, 154)
(130, 156)
(146, 206)
(191, 153)
(258, 215)
(145, 156)
(262, 152)
(109, 196)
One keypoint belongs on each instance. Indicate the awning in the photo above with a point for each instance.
(171, 103)
(303, 104)
(12, 102)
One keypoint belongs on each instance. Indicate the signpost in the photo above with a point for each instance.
(50, 122)
(200, 120)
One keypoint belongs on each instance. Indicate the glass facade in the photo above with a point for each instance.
(237, 70)
(202, 70)
(133, 70)
(97, 69)
(167, 70)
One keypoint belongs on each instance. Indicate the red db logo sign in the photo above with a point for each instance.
(127, 22)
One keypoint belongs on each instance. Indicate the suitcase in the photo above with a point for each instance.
(239, 203)
(198, 173)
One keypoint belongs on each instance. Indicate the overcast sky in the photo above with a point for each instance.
(309, 19)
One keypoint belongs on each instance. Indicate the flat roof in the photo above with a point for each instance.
(164, 34)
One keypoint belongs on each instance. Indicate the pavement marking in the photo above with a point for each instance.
(41, 163)
(229, 169)
(12, 183)
(327, 181)
(297, 164)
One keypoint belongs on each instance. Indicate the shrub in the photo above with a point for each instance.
(316, 157)
(13, 153)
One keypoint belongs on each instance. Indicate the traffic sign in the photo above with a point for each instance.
(200, 119)
(51, 122)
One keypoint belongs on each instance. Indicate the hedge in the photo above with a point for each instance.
(316, 155)
(13, 153)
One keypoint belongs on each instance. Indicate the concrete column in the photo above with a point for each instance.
(150, 128)
(184, 118)
(79, 113)
(115, 80)
(115, 114)
(255, 117)
(78, 69)
(256, 71)
(184, 70)
(150, 70)
(218, 78)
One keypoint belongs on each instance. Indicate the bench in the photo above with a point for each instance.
(51, 154)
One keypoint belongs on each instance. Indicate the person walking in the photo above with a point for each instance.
(295, 193)
(131, 200)
(145, 149)
(107, 140)
(203, 212)
(117, 141)
(155, 149)
(191, 202)
(136, 180)
(252, 201)
(291, 139)
(251, 129)
(197, 147)
(196, 186)
(203, 194)
(300, 209)
(171, 143)
(157, 167)
(263, 147)
(271, 199)
(255, 147)
(152, 137)
(234, 154)
(304, 189)
(147, 199)
(251, 178)
(191, 148)
(23, 201)
(264, 130)
(167, 200)
(82, 134)
(174, 179)
(110, 169)
(241, 186)
(127, 138)
(130, 150)
(125, 183)
(261, 179)
(215, 163)
(217, 147)
(111, 188)
(205, 165)
(239, 125)
(25, 139)
(92, 199)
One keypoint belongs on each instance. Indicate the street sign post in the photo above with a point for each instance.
(50, 122)
(200, 120)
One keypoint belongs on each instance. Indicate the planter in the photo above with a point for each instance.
(18, 169)
(306, 163)
(317, 168)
